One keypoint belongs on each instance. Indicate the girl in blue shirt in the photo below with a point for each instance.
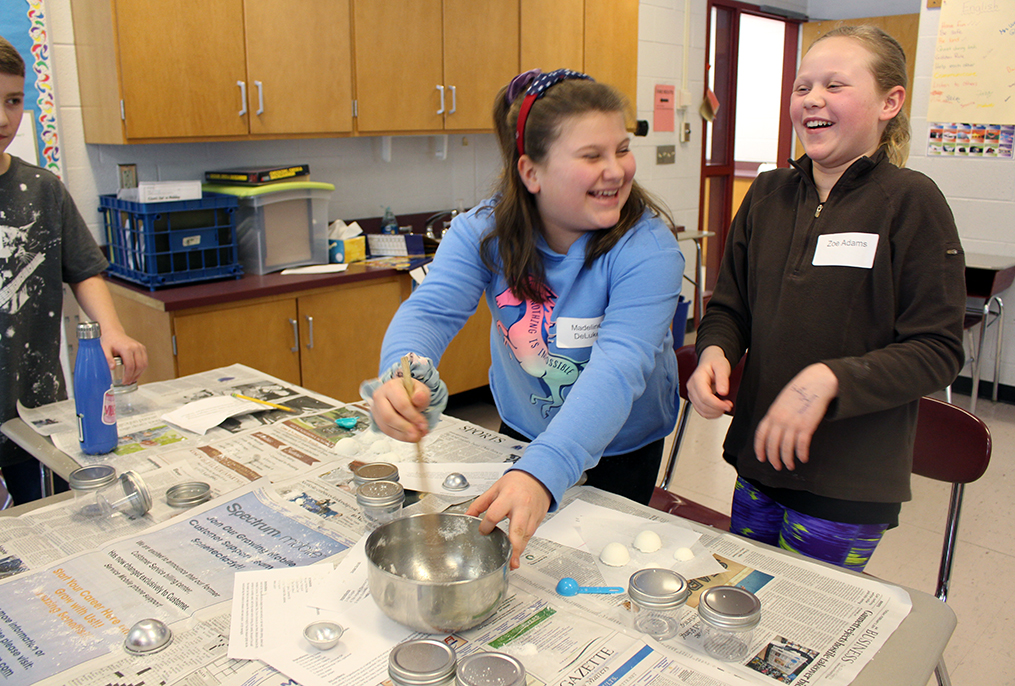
(582, 274)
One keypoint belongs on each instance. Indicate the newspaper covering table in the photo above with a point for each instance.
(280, 473)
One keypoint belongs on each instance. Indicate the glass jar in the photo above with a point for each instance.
(85, 481)
(380, 501)
(728, 615)
(657, 601)
(490, 669)
(423, 662)
(374, 471)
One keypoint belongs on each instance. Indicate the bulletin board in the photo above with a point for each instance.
(974, 63)
(23, 24)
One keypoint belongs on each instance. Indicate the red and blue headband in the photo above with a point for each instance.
(535, 84)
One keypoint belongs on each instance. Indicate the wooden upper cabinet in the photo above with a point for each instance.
(179, 69)
(480, 58)
(152, 72)
(299, 66)
(399, 65)
(552, 35)
(409, 53)
(611, 44)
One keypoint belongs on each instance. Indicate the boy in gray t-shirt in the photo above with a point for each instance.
(44, 242)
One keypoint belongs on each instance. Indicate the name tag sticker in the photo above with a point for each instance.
(846, 250)
(577, 332)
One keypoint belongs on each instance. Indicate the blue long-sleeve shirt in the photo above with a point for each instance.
(588, 373)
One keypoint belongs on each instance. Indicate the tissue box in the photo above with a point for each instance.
(348, 250)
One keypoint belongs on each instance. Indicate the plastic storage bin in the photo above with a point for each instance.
(281, 225)
(166, 243)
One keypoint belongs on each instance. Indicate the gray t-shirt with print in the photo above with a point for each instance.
(43, 243)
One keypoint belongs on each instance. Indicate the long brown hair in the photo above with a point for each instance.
(888, 65)
(516, 218)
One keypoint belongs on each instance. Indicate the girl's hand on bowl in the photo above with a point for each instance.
(520, 497)
(395, 415)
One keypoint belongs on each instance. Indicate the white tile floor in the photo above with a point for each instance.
(983, 583)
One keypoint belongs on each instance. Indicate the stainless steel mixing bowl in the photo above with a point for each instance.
(436, 573)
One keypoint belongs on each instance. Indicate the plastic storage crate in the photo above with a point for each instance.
(281, 225)
(166, 243)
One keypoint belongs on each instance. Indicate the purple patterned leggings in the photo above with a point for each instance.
(760, 518)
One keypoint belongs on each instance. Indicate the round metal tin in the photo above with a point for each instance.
(380, 493)
(188, 494)
(730, 607)
(659, 589)
(423, 662)
(375, 471)
(490, 669)
(92, 477)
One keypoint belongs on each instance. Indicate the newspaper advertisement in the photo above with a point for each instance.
(83, 606)
(283, 442)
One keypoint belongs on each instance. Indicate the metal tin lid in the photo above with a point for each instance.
(89, 330)
(380, 494)
(729, 607)
(422, 662)
(659, 589)
(188, 494)
(118, 385)
(490, 669)
(134, 485)
(92, 478)
(374, 471)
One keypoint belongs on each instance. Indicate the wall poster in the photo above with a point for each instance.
(23, 24)
(973, 79)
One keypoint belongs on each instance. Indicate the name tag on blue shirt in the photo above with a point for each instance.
(846, 250)
(577, 332)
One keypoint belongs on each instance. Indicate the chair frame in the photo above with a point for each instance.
(951, 445)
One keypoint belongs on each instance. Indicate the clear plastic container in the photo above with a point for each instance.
(657, 601)
(128, 401)
(490, 669)
(729, 615)
(422, 662)
(128, 495)
(85, 481)
(380, 501)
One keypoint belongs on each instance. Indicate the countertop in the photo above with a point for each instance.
(247, 287)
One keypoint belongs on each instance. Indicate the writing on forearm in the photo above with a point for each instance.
(805, 396)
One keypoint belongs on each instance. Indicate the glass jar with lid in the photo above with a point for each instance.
(422, 662)
(380, 501)
(84, 482)
(729, 615)
(657, 601)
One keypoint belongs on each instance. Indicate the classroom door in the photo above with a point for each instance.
(718, 163)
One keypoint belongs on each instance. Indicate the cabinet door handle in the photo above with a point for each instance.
(440, 89)
(260, 97)
(454, 99)
(243, 97)
(296, 336)
(310, 332)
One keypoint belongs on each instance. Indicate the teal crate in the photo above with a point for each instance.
(168, 243)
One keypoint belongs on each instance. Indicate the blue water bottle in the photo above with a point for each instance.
(93, 393)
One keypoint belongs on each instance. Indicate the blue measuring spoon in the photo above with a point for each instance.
(569, 587)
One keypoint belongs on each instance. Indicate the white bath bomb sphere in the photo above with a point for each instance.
(683, 554)
(648, 541)
(615, 555)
